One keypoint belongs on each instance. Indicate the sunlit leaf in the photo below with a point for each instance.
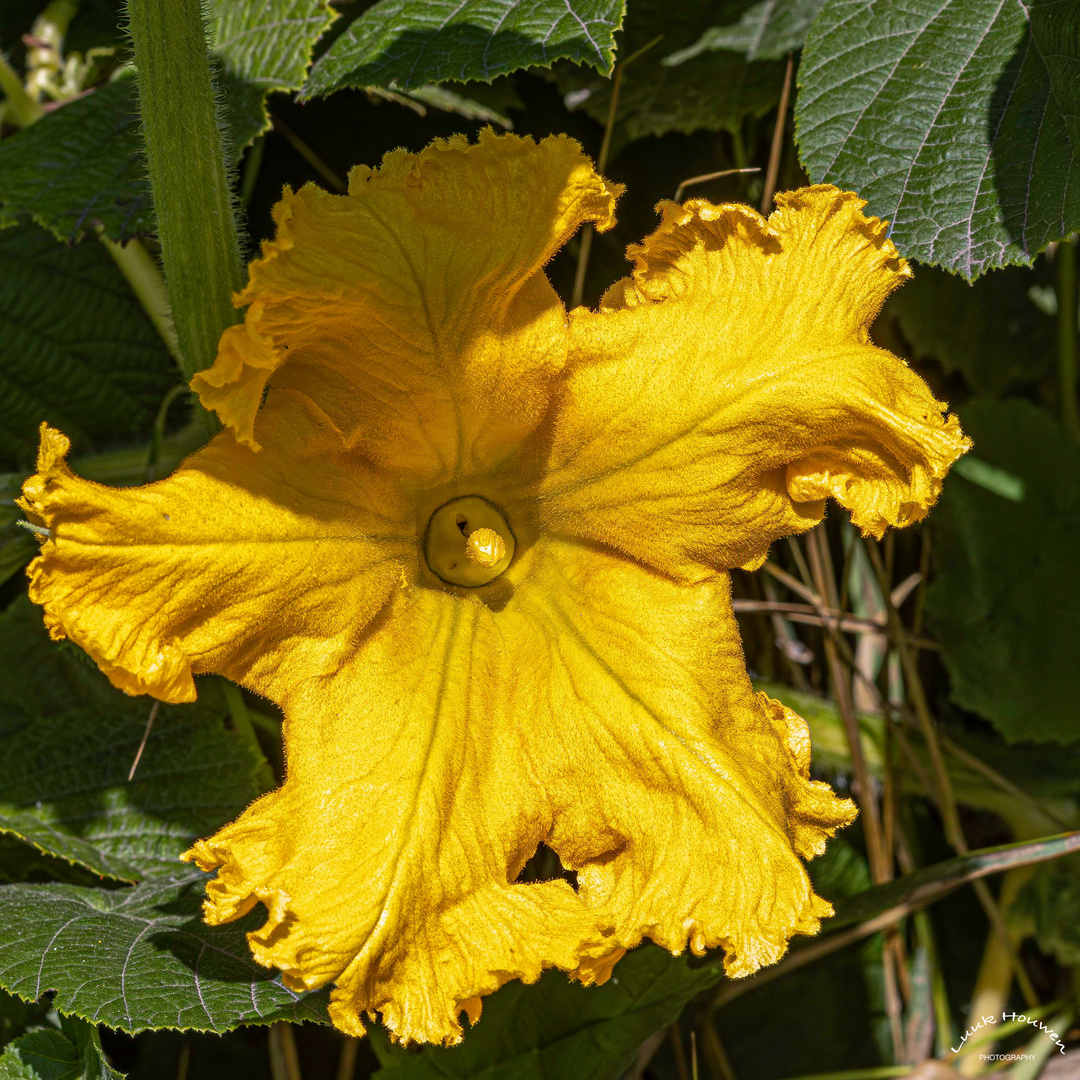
(956, 120)
(398, 43)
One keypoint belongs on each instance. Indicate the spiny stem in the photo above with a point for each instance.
(186, 164)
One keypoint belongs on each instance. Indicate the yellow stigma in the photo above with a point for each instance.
(468, 542)
(486, 547)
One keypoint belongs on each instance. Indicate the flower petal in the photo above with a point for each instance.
(265, 567)
(386, 861)
(680, 796)
(414, 310)
(729, 386)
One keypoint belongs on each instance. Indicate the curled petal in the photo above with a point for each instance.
(387, 861)
(235, 385)
(729, 386)
(414, 310)
(682, 799)
(265, 567)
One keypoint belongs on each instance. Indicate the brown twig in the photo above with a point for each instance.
(710, 176)
(871, 816)
(777, 147)
(954, 832)
(833, 617)
(601, 165)
(309, 155)
(284, 1060)
(146, 735)
(346, 1069)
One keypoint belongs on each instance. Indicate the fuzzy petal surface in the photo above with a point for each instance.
(729, 386)
(403, 354)
(414, 310)
(257, 566)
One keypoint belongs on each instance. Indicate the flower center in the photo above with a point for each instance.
(468, 542)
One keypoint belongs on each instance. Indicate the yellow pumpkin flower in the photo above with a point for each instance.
(478, 551)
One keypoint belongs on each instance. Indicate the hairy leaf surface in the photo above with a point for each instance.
(140, 958)
(408, 45)
(957, 120)
(767, 31)
(64, 774)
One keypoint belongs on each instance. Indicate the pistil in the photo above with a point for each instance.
(468, 542)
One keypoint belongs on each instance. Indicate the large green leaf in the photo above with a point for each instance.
(713, 91)
(1005, 604)
(64, 784)
(80, 166)
(64, 771)
(262, 46)
(767, 31)
(408, 44)
(78, 350)
(140, 958)
(990, 331)
(956, 120)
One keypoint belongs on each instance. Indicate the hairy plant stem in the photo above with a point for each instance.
(186, 164)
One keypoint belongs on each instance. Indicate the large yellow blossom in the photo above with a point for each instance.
(478, 552)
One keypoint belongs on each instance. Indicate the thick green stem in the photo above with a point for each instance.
(22, 109)
(144, 277)
(1066, 293)
(186, 163)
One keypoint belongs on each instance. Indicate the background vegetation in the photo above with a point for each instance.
(937, 670)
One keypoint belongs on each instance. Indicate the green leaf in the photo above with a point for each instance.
(767, 31)
(45, 1054)
(16, 1016)
(407, 44)
(262, 46)
(953, 119)
(73, 1053)
(713, 91)
(140, 958)
(1049, 900)
(80, 166)
(79, 351)
(1005, 604)
(64, 774)
(990, 331)
(65, 787)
